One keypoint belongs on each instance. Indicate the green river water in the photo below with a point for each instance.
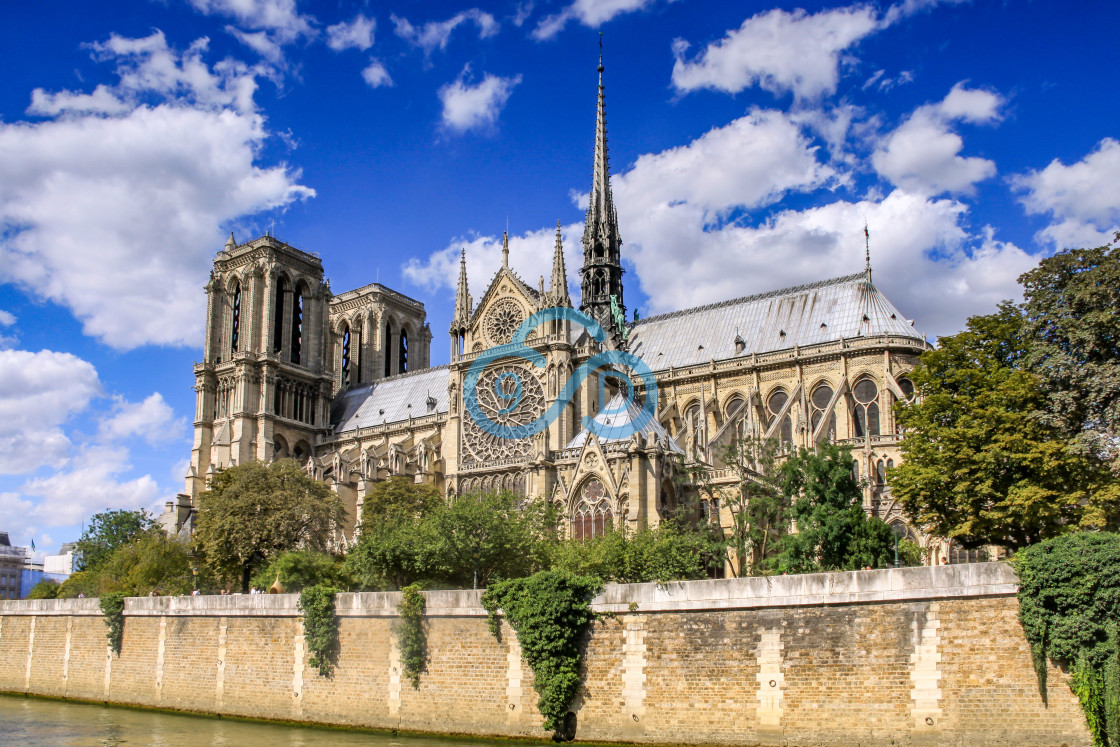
(35, 722)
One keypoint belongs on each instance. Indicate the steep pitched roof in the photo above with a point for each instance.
(849, 307)
(618, 413)
(392, 400)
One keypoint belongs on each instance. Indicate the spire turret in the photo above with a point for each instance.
(601, 274)
(558, 288)
(462, 295)
(505, 249)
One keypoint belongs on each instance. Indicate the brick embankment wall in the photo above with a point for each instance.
(912, 656)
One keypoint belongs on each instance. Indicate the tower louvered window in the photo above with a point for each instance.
(235, 324)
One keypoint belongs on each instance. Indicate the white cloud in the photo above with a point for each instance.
(590, 13)
(116, 215)
(1080, 198)
(752, 161)
(152, 420)
(39, 392)
(357, 34)
(7, 318)
(468, 107)
(530, 256)
(777, 50)
(437, 33)
(922, 155)
(376, 75)
(908, 8)
(93, 482)
(260, 42)
(279, 16)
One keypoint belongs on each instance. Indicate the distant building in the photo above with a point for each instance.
(12, 562)
(63, 563)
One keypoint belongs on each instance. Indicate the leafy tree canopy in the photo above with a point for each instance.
(1072, 318)
(833, 531)
(979, 465)
(150, 561)
(300, 569)
(106, 532)
(396, 543)
(45, 589)
(254, 512)
(670, 551)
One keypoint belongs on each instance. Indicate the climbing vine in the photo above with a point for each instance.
(112, 606)
(320, 627)
(550, 612)
(1069, 600)
(414, 636)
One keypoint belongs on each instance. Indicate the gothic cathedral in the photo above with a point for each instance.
(342, 383)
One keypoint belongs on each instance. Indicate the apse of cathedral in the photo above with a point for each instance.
(342, 383)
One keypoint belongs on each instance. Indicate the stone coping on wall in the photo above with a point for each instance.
(811, 589)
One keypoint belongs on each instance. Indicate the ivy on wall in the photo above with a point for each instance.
(550, 612)
(112, 606)
(1069, 602)
(413, 634)
(320, 627)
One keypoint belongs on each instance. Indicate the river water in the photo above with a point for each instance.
(30, 721)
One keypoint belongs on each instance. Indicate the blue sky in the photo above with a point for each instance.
(750, 142)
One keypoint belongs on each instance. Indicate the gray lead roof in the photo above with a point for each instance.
(392, 400)
(848, 307)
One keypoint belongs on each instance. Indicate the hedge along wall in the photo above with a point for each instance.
(931, 655)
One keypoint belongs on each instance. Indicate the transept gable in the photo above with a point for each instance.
(593, 463)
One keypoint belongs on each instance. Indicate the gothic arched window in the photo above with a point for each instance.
(737, 412)
(907, 388)
(346, 355)
(388, 348)
(235, 324)
(402, 356)
(818, 403)
(297, 324)
(694, 423)
(865, 414)
(592, 516)
(278, 316)
(775, 404)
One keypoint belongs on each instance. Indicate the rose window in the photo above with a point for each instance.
(503, 320)
(512, 398)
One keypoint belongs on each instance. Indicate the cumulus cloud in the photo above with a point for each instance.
(923, 154)
(1080, 198)
(591, 13)
(115, 212)
(355, 34)
(470, 107)
(778, 50)
(39, 392)
(278, 16)
(94, 481)
(530, 256)
(151, 419)
(7, 318)
(376, 75)
(436, 34)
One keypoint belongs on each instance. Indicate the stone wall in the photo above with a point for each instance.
(917, 655)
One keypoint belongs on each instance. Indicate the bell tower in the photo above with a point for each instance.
(601, 274)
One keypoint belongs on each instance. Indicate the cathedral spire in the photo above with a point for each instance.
(505, 249)
(462, 295)
(601, 274)
(867, 251)
(558, 288)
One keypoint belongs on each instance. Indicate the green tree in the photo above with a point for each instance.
(151, 562)
(254, 512)
(479, 537)
(106, 532)
(299, 569)
(396, 545)
(979, 465)
(45, 589)
(80, 583)
(833, 531)
(1072, 318)
(668, 552)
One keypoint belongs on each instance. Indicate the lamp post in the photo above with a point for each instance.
(896, 549)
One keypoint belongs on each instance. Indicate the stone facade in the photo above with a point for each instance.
(912, 656)
(343, 384)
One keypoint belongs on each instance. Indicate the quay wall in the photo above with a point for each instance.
(932, 656)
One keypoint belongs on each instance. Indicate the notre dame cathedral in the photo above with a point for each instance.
(343, 382)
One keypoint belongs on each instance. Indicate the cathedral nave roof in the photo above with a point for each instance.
(391, 400)
(849, 307)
